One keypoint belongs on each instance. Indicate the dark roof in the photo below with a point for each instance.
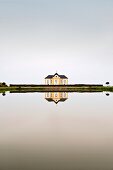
(60, 100)
(51, 76)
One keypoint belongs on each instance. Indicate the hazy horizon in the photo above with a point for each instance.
(41, 37)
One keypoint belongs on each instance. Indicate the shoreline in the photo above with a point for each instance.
(57, 88)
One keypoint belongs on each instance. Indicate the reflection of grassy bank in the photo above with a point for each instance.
(59, 89)
(109, 89)
(5, 89)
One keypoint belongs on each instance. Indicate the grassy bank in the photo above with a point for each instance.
(57, 88)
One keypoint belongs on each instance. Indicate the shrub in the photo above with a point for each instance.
(107, 83)
(3, 84)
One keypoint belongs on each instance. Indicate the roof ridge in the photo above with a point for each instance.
(60, 75)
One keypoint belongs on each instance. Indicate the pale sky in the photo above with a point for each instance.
(72, 37)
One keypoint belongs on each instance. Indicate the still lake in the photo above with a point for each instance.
(74, 134)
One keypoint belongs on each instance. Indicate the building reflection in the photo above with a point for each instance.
(56, 97)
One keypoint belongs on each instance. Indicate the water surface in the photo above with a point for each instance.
(76, 134)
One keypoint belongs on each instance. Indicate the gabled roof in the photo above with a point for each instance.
(51, 76)
(59, 100)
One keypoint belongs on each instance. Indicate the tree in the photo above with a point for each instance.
(107, 83)
(3, 94)
(4, 84)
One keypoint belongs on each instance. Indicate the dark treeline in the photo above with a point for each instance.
(69, 85)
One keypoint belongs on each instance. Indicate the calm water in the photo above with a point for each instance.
(74, 134)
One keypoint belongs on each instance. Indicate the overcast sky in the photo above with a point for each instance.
(72, 37)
